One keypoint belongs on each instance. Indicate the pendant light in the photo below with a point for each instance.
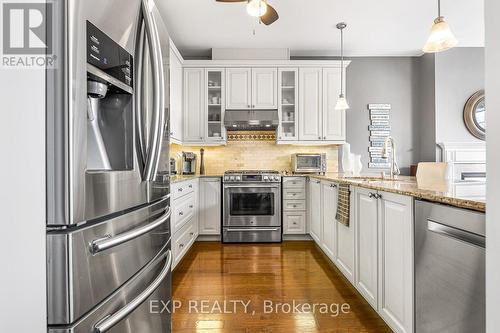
(256, 8)
(342, 101)
(441, 37)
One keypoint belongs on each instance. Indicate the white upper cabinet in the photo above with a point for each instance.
(396, 261)
(315, 210)
(175, 95)
(329, 223)
(264, 88)
(288, 97)
(366, 246)
(333, 120)
(194, 104)
(215, 92)
(310, 104)
(251, 88)
(238, 88)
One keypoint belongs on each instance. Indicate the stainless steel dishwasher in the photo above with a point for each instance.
(449, 269)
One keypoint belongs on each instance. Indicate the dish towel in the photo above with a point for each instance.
(343, 200)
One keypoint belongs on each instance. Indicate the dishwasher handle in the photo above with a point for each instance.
(461, 235)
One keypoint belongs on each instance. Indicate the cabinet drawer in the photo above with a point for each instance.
(294, 182)
(293, 205)
(294, 222)
(182, 210)
(182, 240)
(294, 193)
(182, 188)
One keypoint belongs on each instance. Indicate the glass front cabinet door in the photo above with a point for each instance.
(215, 81)
(287, 104)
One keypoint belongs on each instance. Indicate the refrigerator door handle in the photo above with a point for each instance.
(140, 140)
(111, 320)
(108, 242)
(153, 153)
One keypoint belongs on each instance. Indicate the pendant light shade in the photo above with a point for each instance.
(341, 101)
(256, 8)
(441, 37)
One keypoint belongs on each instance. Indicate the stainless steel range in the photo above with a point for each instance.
(252, 206)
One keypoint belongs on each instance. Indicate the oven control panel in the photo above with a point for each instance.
(252, 178)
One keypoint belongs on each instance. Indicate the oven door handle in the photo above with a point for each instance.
(252, 229)
(251, 186)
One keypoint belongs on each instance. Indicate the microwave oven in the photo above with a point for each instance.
(309, 163)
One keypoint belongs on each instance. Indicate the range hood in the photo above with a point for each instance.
(251, 120)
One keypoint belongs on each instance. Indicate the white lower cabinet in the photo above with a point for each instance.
(396, 261)
(345, 246)
(210, 206)
(294, 222)
(384, 255)
(328, 220)
(294, 206)
(375, 252)
(184, 219)
(314, 207)
(366, 244)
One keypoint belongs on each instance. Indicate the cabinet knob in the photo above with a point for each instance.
(190, 185)
(191, 233)
(294, 206)
(171, 133)
(324, 138)
(319, 138)
(181, 213)
(181, 245)
(190, 206)
(295, 223)
(180, 189)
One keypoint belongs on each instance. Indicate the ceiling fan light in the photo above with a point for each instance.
(441, 37)
(342, 103)
(256, 8)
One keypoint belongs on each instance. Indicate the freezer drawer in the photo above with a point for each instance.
(136, 306)
(86, 265)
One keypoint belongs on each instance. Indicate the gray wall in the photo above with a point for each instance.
(459, 74)
(427, 94)
(383, 80)
(425, 107)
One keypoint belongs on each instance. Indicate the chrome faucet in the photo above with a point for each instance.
(389, 142)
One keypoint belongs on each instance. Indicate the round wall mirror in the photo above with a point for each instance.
(475, 115)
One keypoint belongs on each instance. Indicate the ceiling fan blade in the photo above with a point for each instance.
(231, 0)
(270, 16)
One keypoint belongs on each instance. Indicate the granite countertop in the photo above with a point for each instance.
(442, 193)
(183, 178)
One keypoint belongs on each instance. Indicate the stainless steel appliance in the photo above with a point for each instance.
(188, 163)
(256, 120)
(252, 206)
(449, 269)
(173, 166)
(108, 202)
(309, 163)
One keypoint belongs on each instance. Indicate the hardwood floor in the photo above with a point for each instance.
(212, 273)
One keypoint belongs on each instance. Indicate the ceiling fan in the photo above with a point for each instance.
(259, 8)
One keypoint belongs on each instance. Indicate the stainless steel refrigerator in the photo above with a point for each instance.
(108, 206)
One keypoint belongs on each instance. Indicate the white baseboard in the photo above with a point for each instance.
(208, 238)
(297, 238)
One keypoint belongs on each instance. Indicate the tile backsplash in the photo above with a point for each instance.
(253, 155)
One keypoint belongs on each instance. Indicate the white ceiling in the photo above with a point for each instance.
(307, 27)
